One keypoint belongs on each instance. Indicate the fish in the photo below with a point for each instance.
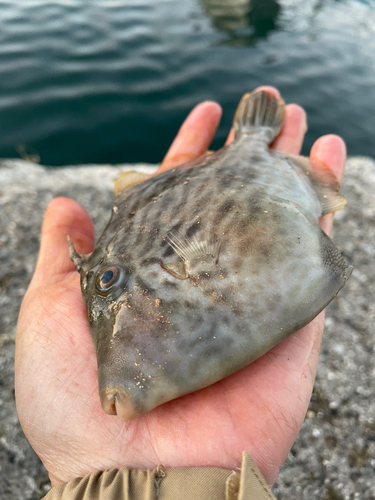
(204, 268)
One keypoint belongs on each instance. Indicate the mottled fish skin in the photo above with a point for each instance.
(172, 326)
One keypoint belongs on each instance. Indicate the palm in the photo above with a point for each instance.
(259, 409)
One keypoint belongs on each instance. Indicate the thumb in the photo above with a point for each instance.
(63, 218)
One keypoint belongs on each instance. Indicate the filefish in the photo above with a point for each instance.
(204, 268)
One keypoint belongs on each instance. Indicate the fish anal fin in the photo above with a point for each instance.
(323, 181)
(128, 179)
(333, 204)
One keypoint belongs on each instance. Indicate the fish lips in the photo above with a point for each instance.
(117, 401)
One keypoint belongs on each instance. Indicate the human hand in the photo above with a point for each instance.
(259, 409)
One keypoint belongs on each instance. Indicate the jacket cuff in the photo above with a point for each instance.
(195, 483)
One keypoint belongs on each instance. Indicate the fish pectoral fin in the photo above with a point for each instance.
(129, 179)
(193, 252)
(177, 270)
(324, 182)
(192, 248)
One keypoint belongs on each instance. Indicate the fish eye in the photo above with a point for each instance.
(108, 280)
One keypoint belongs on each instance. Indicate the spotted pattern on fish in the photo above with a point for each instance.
(217, 261)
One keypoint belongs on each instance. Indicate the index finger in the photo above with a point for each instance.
(194, 136)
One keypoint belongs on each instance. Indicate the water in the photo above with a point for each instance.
(108, 81)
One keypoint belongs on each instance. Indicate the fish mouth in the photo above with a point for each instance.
(116, 401)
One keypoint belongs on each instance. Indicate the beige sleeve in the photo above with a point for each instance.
(196, 483)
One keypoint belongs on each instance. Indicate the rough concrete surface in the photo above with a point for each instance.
(333, 457)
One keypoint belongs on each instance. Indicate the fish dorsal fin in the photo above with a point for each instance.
(129, 179)
(324, 182)
(257, 110)
(77, 258)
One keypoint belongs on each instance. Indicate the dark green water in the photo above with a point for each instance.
(107, 81)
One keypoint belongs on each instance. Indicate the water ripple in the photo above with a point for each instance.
(109, 82)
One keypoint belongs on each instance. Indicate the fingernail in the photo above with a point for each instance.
(202, 107)
(331, 150)
(332, 147)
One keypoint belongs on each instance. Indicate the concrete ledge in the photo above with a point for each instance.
(334, 455)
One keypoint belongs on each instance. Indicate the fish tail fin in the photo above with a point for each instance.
(259, 109)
